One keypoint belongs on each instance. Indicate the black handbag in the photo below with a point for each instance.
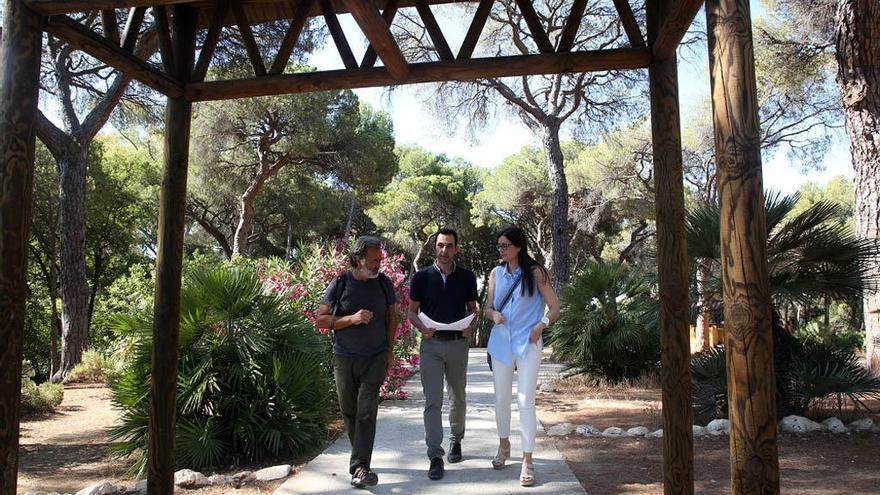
(500, 308)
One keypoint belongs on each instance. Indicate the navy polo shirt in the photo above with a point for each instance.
(444, 301)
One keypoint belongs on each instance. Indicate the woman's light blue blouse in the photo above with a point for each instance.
(521, 314)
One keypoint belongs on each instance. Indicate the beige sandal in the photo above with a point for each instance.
(527, 475)
(501, 457)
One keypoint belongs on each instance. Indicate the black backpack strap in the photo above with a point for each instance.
(340, 289)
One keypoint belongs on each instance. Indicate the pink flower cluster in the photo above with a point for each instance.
(303, 285)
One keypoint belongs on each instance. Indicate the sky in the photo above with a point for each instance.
(414, 124)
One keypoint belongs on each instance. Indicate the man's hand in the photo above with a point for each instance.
(467, 332)
(389, 363)
(428, 333)
(362, 317)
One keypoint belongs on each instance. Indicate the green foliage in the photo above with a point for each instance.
(810, 254)
(808, 375)
(253, 381)
(608, 325)
(272, 153)
(95, 367)
(818, 333)
(709, 384)
(430, 192)
(302, 285)
(38, 399)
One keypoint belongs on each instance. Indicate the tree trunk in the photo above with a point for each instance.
(247, 213)
(97, 272)
(74, 282)
(348, 221)
(559, 217)
(704, 300)
(858, 75)
(55, 327)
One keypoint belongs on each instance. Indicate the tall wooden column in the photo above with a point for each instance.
(747, 312)
(169, 262)
(672, 270)
(19, 91)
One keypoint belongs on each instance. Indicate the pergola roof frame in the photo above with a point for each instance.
(754, 458)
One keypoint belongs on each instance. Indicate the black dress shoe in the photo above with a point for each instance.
(454, 454)
(435, 472)
(363, 477)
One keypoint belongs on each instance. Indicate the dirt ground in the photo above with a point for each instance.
(66, 451)
(815, 464)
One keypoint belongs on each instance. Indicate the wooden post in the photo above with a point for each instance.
(169, 262)
(19, 91)
(672, 270)
(747, 312)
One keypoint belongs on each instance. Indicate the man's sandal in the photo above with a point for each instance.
(527, 475)
(501, 457)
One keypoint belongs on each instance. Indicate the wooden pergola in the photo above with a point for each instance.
(181, 77)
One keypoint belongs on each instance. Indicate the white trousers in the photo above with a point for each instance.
(526, 383)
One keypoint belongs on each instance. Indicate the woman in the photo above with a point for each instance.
(519, 290)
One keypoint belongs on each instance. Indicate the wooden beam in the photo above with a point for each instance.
(630, 25)
(669, 35)
(211, 39)
(672, 269)
(58, 7)
(337, 34)
(133, 28)
(388, 15)
(247, 37)
(102, 49)
(457, 70)
(19, 90)
(534, 23)
(169, 263)
(572, 24)
(473, 35)
(109, 25)
(748, 342)
(160, 17)
(381, 40)
(297, 24)
(434, 31)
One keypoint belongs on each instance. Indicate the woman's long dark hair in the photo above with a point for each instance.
(517, 237)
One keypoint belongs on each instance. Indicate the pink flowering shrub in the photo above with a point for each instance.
(303, 284)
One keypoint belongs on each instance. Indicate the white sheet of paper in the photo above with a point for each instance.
(456, 325)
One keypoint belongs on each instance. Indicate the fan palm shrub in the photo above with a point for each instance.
(253, 377)
(608, 325)
(808, 375)
(810, 254)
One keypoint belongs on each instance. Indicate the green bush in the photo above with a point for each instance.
(608, 325)
(38, 399)
(94, 368)
(808, 375)
(838, 338)
(253, 378)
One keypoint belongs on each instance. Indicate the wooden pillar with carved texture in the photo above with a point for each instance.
(754, 461)
(19, 91)
(672, 270)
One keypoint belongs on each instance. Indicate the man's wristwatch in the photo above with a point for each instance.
(545, 321)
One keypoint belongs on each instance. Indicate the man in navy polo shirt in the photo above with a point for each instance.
(446, 293)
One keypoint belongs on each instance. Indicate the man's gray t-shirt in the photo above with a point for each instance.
(361, 340)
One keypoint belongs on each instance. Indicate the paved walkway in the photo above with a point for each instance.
(400, 458)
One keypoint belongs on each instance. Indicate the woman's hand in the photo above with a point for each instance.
(537, 330)
(498, 318)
